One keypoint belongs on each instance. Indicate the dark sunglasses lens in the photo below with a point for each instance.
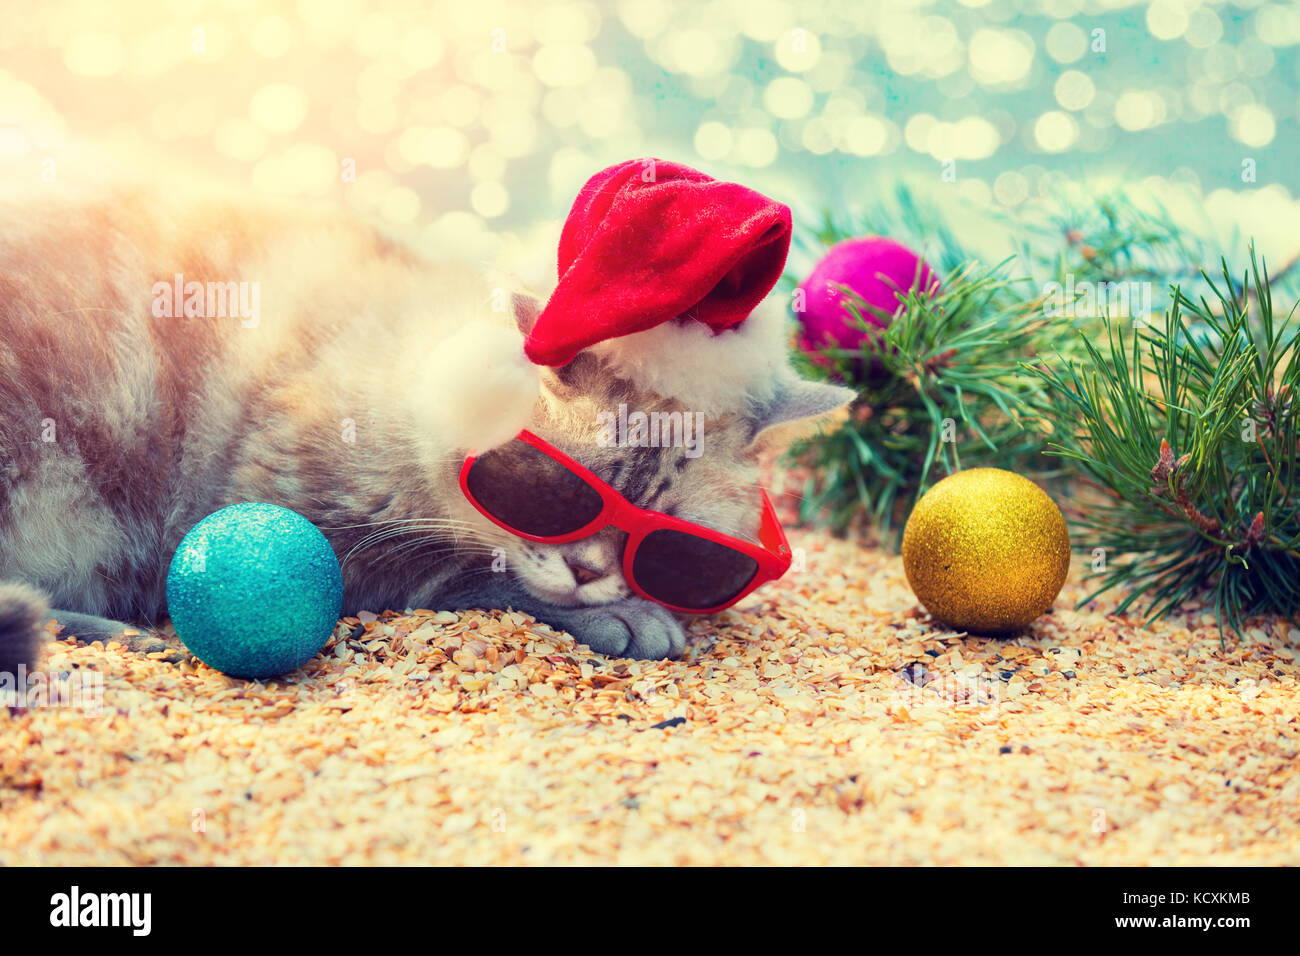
(690, 572)
(530, 491)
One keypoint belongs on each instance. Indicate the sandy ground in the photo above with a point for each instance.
(825, 721)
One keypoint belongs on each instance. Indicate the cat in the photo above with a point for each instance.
(160, 360)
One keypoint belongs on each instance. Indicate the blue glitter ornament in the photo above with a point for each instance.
(254, 590)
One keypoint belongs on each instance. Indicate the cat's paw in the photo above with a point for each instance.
(87, 629)
(630, 628)
(482, 388)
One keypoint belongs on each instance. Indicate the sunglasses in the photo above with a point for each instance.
(535, 491)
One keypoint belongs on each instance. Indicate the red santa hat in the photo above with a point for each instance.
(651, 243)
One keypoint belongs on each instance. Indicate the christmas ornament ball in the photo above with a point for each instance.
(254, 590)
(877, 269)
(986, 551)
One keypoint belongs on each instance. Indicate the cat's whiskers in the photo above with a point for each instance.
(410, 550)
(424, 520)
(393, 521)
(443, 529)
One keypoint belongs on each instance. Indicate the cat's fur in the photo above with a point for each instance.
(352, 401)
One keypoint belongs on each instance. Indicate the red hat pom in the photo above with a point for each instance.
(647, 241)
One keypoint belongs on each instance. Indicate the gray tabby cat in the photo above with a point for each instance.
(326, 369)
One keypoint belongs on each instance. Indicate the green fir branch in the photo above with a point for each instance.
(1188, 439)
(1175, 438)
(939, 389)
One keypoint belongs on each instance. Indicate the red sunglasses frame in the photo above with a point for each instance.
(772, 554)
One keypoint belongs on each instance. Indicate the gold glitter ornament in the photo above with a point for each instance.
(986, 551)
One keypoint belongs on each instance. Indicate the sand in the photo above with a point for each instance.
(826, 720)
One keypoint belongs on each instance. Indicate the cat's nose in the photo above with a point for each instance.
(583, 574)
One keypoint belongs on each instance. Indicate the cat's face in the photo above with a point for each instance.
(706, 472)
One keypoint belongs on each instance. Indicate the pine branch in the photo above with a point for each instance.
(938, 390)
(1191, 435)
(1176, 431)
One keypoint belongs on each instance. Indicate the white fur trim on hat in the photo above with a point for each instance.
(707, 372)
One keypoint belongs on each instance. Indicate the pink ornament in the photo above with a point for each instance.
(879, 270)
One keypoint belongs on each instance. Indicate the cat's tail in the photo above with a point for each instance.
(23, 612)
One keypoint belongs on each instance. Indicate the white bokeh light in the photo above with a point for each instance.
(1138, 110)
(1066, 42)
(489, 199)
(1204, 28)
(788, 97)
(1167, 19)
(1000, 57)
(1055, 131)
(713, 140)
(1011, 188)
(564, 64)
(1253, 125)
(756, 147)
(798, 49)
(1074, 90)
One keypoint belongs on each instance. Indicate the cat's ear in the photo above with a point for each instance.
(526, 309)
(797, 401)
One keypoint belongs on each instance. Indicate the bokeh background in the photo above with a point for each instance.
(470, 119)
